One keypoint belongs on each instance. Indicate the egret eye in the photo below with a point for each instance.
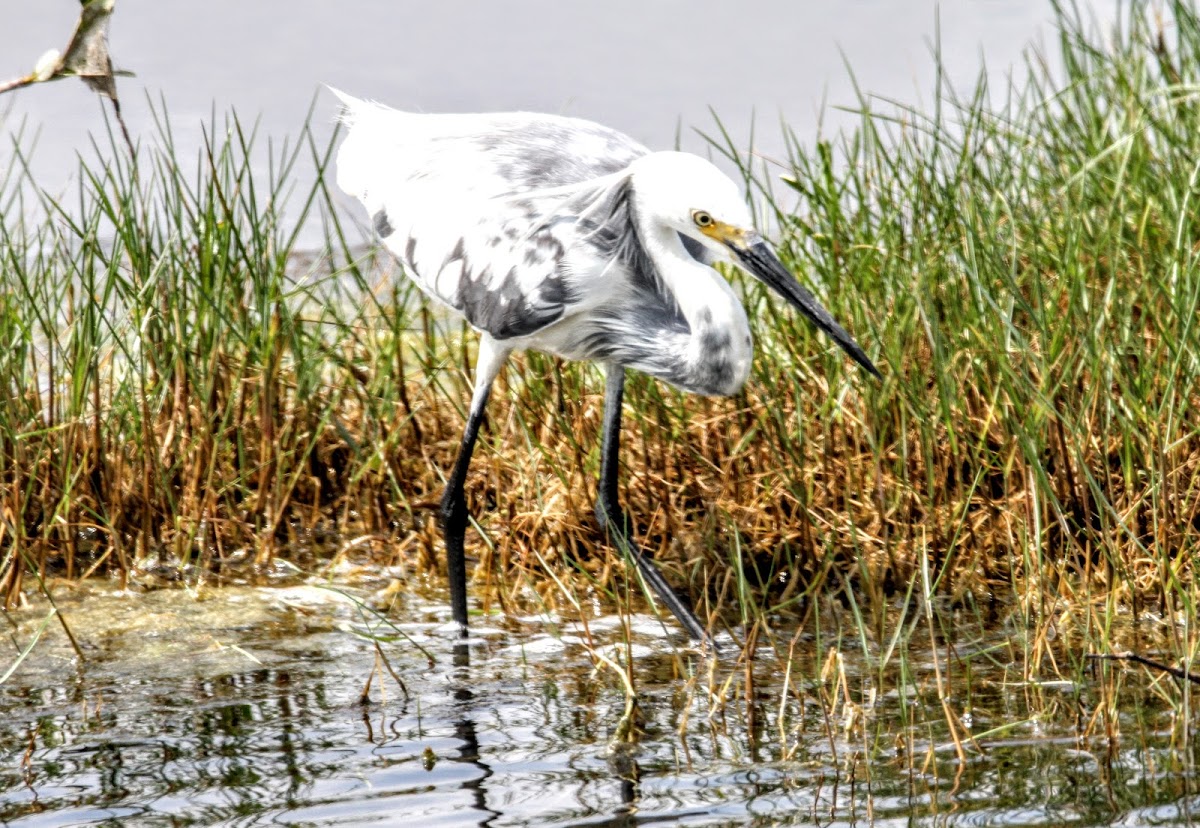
(702, 219)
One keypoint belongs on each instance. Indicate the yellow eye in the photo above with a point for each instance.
(702, 219)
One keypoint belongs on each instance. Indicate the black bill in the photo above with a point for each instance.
(758, 258)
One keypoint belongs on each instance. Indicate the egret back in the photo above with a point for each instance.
(482, 209)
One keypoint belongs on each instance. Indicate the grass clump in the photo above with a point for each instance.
(181, 385)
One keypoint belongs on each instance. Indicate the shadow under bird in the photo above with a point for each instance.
(564, 236)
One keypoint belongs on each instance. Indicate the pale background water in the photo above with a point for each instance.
(652, 68)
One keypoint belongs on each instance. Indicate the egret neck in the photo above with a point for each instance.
(719, 347)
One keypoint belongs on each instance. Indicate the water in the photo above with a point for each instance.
(241, 706)
(652, 69)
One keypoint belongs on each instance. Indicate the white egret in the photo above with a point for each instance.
(563, 236)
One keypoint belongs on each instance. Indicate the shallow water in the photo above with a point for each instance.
(241, 706)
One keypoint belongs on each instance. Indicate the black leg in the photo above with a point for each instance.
(454, 502)
(615, 522)
(454, 521)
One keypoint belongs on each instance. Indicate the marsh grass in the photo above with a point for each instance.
(185, 394)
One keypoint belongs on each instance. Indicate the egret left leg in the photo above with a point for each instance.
(616, 523)
(454, 502)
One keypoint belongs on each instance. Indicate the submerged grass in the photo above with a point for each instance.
(182, 390)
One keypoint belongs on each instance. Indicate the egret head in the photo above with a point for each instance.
(688, 194)
(691, 196)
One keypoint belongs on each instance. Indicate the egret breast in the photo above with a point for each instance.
(721, 361)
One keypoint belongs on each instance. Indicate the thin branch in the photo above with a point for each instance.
(1177, 672)
(86, 57)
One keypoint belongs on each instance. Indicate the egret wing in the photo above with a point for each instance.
(483, 209)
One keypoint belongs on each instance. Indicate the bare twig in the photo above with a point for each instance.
(1177, 672)
(86, 57)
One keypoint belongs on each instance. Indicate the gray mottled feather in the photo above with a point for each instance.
(536, 206)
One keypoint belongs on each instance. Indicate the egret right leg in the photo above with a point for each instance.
(454, 502)
(615, 522)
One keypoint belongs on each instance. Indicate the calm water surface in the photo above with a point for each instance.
(241, 706)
